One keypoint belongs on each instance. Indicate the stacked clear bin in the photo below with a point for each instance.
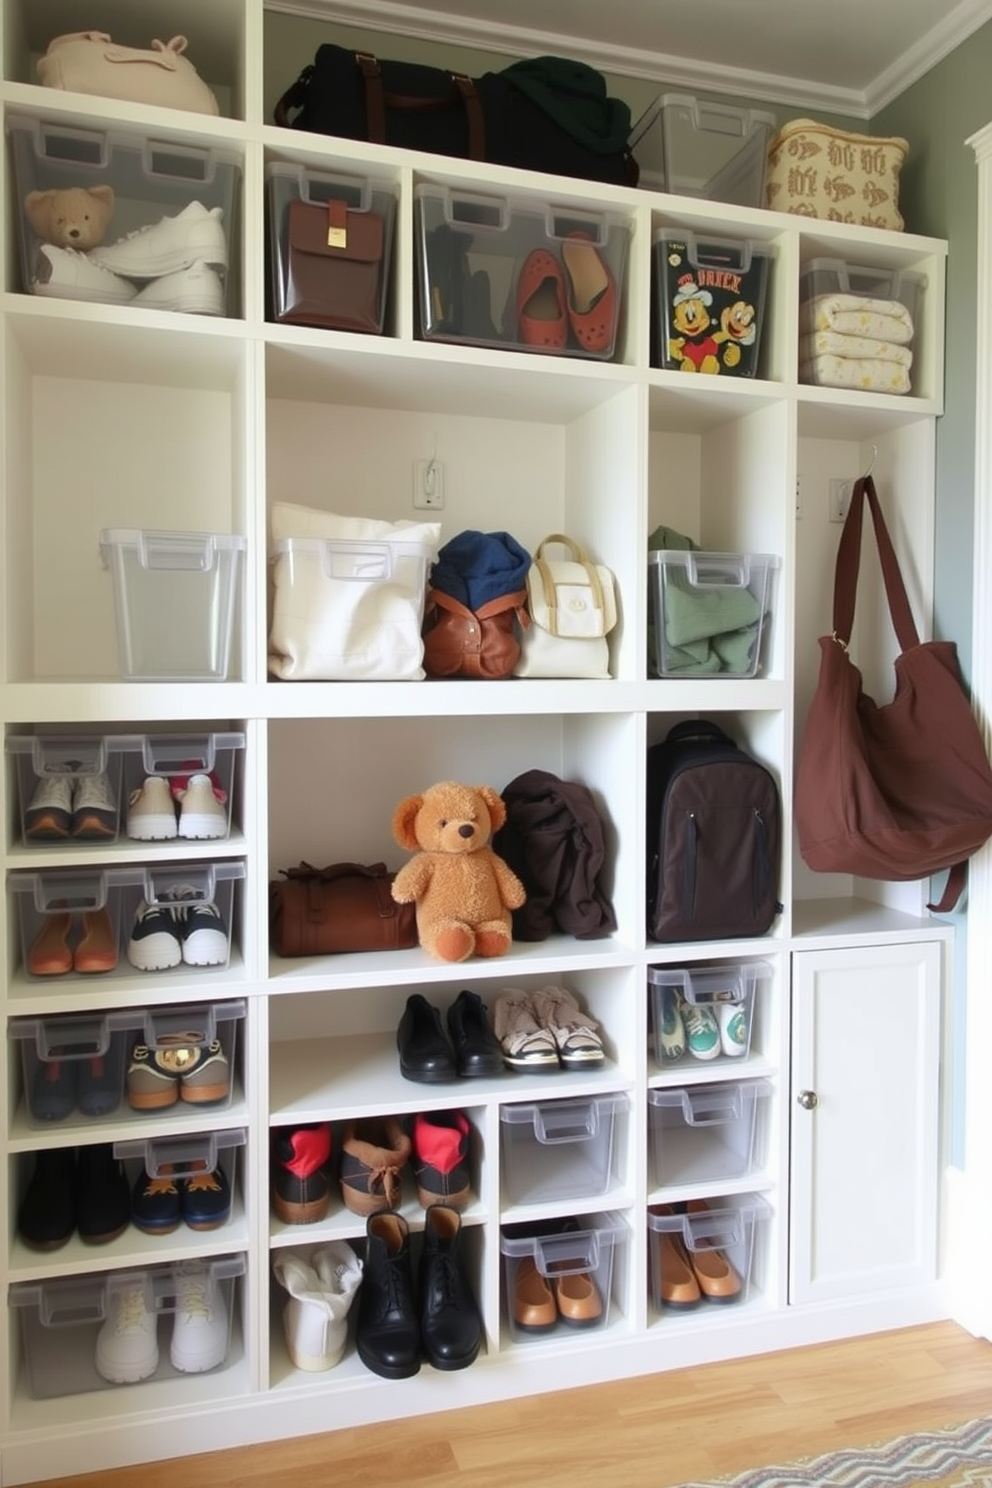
(702, 1252)
(60, 777)
(725, 992)
(705, 1133)
(708, 297)
(176, 919)
(513, 273)
(709, 613)
(93, 1332)
(858, 325)
(175, 602)
(330, 242)
(563, 1275)
(688, 146)
(152, 224)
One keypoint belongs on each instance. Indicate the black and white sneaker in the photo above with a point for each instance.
(200, 926)
(155, 943)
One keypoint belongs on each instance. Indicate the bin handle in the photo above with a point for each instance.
(555, 1125)
(711, 1107)
(732, 570)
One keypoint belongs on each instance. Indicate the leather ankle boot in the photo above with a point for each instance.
(450, 1326)
(388, 1332)
(301, 1190)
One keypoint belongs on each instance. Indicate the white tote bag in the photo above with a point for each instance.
(347, 596)
(572, 607)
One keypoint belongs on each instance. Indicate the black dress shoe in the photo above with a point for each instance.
(103, 1194)
(477, 1049)
(425, 1054)
(47, 1215)
(387, 1333)
(450, 1326)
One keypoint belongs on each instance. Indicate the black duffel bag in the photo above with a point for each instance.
(547, 114)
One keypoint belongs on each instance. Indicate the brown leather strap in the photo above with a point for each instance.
(293, 98)
(953, 889)
(848, 562)
(377, 100)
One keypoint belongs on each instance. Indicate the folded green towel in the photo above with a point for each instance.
(735, 649)
(693, 612)
(689, 660)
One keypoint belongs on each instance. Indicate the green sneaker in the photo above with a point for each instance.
(702, 1031)
(733, 1029)
(672, 1028)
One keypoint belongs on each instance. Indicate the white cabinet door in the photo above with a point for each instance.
(865, 1068)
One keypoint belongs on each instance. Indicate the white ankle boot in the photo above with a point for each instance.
(321, 1287)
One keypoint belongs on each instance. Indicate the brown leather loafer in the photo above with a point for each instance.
(534, 1309)
(717, 1278)
(677, 1283)
(578, 1300)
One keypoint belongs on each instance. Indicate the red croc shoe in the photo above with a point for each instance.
(541, 318)
(592, 294)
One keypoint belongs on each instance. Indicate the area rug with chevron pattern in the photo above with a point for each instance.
(956, 1457)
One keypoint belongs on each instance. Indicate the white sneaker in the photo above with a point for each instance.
(201, 814)
(48, 815)
(733, 1028)
(321, 1291)
(197, 290)
(702, 1032)
(94, 808)
(167, 246)
(71, 275)
(127, 1344)
(200, 1330)
(151, 813)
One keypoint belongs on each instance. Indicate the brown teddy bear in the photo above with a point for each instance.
(75, 217)
(463, 891)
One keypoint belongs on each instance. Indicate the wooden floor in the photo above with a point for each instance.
(654, 1432)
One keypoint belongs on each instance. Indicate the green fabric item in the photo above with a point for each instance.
(694, 612)
(668, 540)
(735, 649)
(575, 96)
(683, 659)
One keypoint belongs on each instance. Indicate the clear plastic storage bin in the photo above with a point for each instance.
(497, 271)
(179, 1321)
(708, 612)
(174, 601)
(709, 303)
(703, 1252)
(565, 1149)
(689, 147)
(844, 343)
(72, 1065)
(157, 229)
(163, 800)
(71, 919)
(711, 995)
(68, 788)
(330, 248)
(562, 1277)
(704, 1133)
(183, 1058)
(199, 1169)
(179, 917)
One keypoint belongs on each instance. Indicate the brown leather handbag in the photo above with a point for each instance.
(344, 907)
(482, 643)
(897, 791)
(336, 267)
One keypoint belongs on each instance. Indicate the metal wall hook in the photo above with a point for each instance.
(871, 462)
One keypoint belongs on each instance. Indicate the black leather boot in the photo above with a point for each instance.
(388, 1333)
(450, 1326)
(477, 1049)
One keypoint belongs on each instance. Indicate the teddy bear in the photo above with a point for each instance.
(75, 217)
(463, 890)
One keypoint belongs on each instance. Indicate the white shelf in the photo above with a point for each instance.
(198, 423)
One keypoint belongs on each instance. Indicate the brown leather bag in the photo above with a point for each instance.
(336, 265)
(344, 907)
(902, 790)
(482, 643)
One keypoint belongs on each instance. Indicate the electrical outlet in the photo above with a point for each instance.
(428, 485)
(840, 499)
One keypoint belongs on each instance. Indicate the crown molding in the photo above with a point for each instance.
(657, 67)
(938, 43)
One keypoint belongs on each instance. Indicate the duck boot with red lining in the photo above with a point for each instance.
(301, 1191)
(440, 1158)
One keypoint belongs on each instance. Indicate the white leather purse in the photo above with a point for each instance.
(572, 608)
(91, 62)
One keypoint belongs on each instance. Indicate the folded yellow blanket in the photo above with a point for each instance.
(859, 315)
(869, 373)
(836, 343)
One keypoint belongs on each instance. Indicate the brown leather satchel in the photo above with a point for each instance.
(482, 643)
(344, 907)
(336, 265)
(902, 790)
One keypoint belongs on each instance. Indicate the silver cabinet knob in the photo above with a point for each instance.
(808, 1099)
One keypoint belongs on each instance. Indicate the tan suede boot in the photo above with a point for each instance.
(575, 1033)
(374, 1153)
